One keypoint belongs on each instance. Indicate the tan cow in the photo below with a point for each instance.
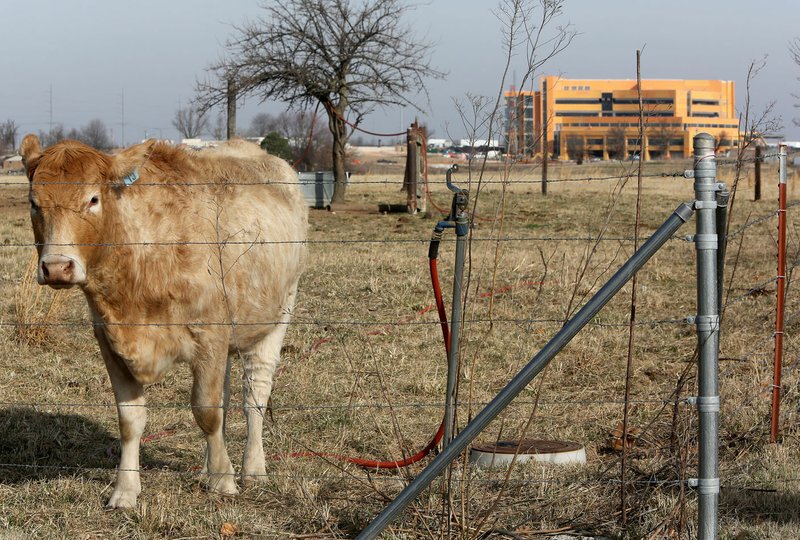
(183, 257)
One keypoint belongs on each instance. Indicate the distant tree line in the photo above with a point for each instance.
(94, 134)
(8, 137)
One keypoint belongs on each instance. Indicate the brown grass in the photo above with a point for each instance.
(36, 308)
(346, 360)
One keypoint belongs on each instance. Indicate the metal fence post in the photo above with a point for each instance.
(781, 296)
(707, 321)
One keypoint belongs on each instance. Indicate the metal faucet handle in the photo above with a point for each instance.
(448, 177)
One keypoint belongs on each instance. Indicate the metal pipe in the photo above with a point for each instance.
(707, 321)
(462, 228)
(524, 377)
(723, 198)
(781, 296)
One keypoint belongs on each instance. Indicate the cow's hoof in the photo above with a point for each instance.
(254, 479)
(122, 500)
(222, 484)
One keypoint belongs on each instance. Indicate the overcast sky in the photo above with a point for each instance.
(90, 52)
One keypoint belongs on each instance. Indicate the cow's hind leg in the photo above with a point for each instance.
(209, 375)
(259, 367)
(129, 395)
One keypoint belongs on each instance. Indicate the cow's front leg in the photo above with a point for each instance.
(207, 408)
(129, 395)
(259, 369)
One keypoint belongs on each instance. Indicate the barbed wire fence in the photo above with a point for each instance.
(740, 302)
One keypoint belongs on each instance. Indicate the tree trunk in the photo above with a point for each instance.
(339, 172)
(339, 132)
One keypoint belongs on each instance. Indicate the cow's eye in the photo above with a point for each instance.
(94, 200)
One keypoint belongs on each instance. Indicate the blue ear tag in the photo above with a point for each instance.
(131, 178)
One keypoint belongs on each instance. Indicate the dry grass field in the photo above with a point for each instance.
(363, 374)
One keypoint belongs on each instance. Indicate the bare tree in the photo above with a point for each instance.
(262, 124)
(309, 141)
(615, 142)
(348, 56)
(576, 148)
(752, 127)
(722, 140)
(660, 140)
(53, 136)
(530, 31)
(190, 122)
(794, 51)
(218, 129)
(8, 136)
(95, 134)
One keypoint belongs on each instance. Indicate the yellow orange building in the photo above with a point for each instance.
(585, 118)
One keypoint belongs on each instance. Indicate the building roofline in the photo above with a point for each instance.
(630, 80)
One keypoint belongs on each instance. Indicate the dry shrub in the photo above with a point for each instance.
(36, 307)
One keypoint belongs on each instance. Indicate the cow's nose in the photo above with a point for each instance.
(58, 269)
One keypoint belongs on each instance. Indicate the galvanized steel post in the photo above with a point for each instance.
(707, 321)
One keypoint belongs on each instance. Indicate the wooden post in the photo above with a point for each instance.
(757, 188)
(411, 179)
(422, 160)
(231, 129)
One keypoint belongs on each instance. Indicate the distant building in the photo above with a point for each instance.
(198, 144)
(600, 118)
(439, 143)
(479, 143)
(13, 163)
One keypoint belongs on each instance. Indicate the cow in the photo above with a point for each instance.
(182, 256)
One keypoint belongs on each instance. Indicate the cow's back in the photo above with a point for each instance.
(262, 223)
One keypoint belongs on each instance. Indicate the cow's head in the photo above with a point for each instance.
(72, 188)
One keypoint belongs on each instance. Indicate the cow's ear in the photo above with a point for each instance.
(126, 164)
(31, 151)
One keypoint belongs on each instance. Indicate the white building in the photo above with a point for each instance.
(477, 143)
(439, 143)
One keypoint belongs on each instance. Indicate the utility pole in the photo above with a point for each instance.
(122, 136)
(51, 108)
(231, 109)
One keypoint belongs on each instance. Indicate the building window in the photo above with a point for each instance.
(713, 102)
(576, 113)
(577, 101)
(645, 101)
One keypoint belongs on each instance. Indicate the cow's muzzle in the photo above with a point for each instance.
(60, 271)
